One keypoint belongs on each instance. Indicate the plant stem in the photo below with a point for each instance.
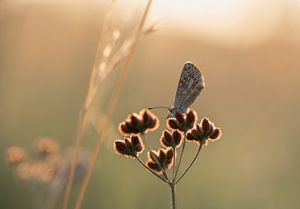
(190, 165)
(112, 105)
(180, 157)
(174, 164)
(173, 195)
(83, 121)
(143, 164)
(82, 126)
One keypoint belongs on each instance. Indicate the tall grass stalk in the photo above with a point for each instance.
(112, 105)
(83, 120)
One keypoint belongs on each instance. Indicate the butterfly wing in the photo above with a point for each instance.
(190, 84)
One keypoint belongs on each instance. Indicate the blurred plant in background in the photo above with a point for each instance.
(45, 172)
(115, 47)
(180, 129)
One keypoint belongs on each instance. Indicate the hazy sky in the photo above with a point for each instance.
(227, 19)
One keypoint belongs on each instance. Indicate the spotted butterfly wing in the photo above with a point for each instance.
(190, 84)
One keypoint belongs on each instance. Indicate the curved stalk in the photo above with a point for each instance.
(174, 164)
(180, 157)
(190, 165)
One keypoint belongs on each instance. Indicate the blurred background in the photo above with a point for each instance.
(248, 51)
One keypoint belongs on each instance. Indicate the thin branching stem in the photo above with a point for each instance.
(174, 164)
(112, 105)
(190, 165)
(143, 164)
(180, 157)
(165, 173)
(146, 141)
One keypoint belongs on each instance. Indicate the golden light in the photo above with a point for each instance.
(230, 20)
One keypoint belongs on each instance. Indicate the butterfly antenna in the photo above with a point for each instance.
(158, 107)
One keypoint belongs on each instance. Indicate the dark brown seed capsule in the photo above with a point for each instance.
(206, 125)
(180, 118)
(191, 118)
(136, 121)
(177, 136)
(169, 158)
(172, 123)
(137, 144)
(154, 166)
(167, 139)
(121, 148)
(216, 134)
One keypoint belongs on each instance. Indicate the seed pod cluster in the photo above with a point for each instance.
(139, 123)
(183, 122)
(130, 146)
(162, 159)
(171, 139)
(203, 132)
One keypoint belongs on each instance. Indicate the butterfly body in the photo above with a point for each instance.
(190, 84)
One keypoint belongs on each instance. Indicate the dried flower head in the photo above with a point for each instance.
(15, 155)
(130, 147)
(203, 132)
(162, 159)
(47, 147)
(171, 139)
(139, 123)
(183, 122)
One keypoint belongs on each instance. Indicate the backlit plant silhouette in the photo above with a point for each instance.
(180, 129)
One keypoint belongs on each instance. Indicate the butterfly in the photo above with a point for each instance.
(190, 84)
